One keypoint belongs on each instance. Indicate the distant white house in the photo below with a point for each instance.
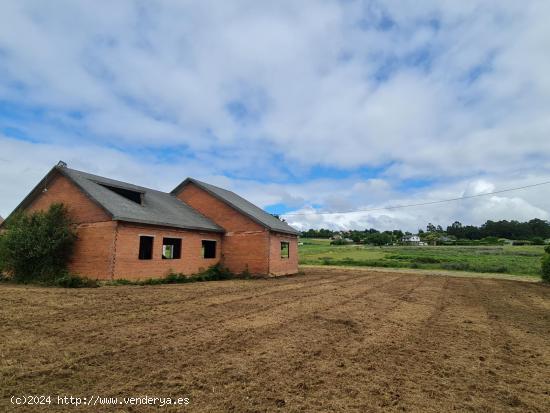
(411, 240)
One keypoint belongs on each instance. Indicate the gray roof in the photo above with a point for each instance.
(156, 208)
(242, 205)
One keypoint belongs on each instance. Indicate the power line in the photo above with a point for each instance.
(418, 204)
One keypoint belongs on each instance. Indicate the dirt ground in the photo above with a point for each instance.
(331, 340)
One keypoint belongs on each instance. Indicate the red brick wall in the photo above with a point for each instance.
(222, 214)
(278, 265)
(127, 264)
(93, 249)
(246, 251)
(81, 208)
(245, 243)
(93, 254)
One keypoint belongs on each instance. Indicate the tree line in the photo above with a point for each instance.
(534, 230)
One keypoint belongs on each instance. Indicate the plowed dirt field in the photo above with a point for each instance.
(331, 340)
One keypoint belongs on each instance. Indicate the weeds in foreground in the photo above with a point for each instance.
(546, 267)
(64, 280)
(75, 281)
(214, 273)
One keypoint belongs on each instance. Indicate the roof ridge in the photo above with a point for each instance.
(249, 209)
(109, 179)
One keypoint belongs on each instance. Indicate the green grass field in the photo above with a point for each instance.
(517, 260)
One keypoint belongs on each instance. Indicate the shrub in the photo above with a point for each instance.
(245, 274)
(152, 281)
(546, 268)
(497, 269)
(491, 240)
(426, 260)
(537, 241)
(37, 246)
(327, 260)
(174, 278)
(456, 266)
(371, 263)
(341, 242)
(216, 273)
(418, 260)
(400, 257)
(213, 273)
(546, 249)
(520, 242)
(75, 281)
(120, 281)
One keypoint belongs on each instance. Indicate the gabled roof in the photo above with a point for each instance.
(156, 207)
(242, 205)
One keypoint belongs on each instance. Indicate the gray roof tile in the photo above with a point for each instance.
(157, 208)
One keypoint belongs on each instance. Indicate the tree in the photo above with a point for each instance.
(456, 225)
(321, 233)
(537, 241)
(532, 230)
(432, 238)
(397, 234)
(539, 228)
(38, 246)
(379, 239)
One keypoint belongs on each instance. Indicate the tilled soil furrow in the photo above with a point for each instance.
(345, 346)
(126, 301)
(514, 354)
(353, 341)
(227, 346)
(200, 318)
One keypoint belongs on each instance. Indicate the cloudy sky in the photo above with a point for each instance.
(301, 106)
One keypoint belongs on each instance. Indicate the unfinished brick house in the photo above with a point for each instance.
(128, 231)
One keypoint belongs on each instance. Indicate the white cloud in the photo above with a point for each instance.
(531, 204)
(454, 92)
